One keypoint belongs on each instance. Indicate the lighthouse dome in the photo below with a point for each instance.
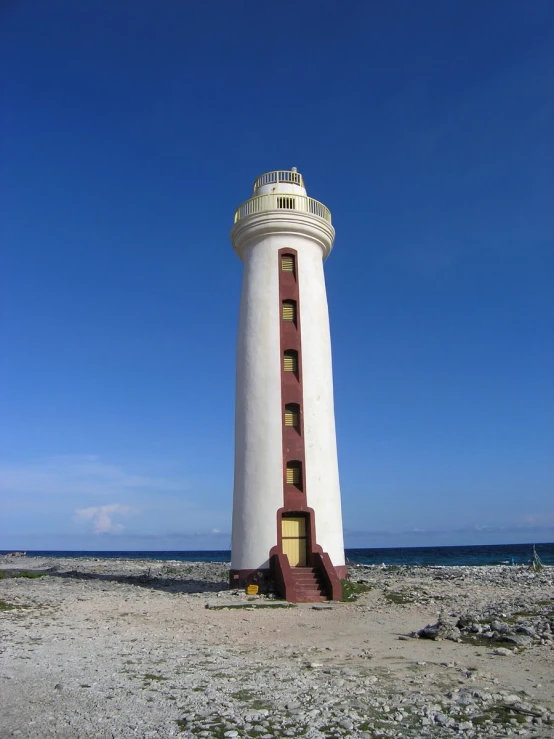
(284, 180)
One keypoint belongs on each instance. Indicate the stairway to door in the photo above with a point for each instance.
(309, 585)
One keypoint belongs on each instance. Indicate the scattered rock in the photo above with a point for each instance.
(140, 656)
(444, 720)
(440, 630)
(346, 724)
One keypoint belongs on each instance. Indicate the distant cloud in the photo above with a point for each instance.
(84, 495)
(540, 519)
(79, 475)
(101, 517)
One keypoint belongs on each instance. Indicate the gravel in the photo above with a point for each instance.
(127, 648)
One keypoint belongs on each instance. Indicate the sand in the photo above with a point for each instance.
(128, 648)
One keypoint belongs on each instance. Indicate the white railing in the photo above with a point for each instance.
(295, 178)
(282, 201)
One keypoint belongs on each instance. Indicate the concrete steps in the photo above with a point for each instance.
(309, 585)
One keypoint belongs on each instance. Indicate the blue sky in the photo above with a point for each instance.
(132, 130)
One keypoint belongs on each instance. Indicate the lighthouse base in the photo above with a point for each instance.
(342, 572)
(280, 578)
(242, 578)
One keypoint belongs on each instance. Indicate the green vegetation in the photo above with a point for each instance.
(398, 598)
(502, 715)
(172, 571)
(217, 729)
(352, 590)
(154, 678)
(30, 575)
(521, 614)
(480, 640)
(250, 606)
(6, 574)
(244, 696)
(5, 606)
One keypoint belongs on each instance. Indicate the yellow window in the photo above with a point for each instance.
(291, 415)
(290, 362)
(287, 263)
(293, 474)
(288, 312)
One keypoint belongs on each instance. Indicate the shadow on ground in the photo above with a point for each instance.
(166, 584)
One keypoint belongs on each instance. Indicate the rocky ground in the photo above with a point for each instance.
(127, 648)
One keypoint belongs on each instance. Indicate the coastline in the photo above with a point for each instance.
(128, 647)
(451, 555)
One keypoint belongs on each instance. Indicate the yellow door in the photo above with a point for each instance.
(294, 540)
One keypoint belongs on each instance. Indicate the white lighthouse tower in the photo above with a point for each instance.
(287, 523)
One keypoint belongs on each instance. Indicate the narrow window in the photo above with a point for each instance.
(290, 361)
(292, 415)
(284, 202)
(287, 263)
(288, 310)
(294, 473)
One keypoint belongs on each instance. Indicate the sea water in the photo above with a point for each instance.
(494, 554)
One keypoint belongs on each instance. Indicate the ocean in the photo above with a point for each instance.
(494, 554)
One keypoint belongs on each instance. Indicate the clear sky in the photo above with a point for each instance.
(132, 130)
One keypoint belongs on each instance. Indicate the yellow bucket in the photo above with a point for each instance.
(252, 590)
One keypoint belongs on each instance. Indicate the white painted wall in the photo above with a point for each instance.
(258, 490)
(285, 187)
(322, 471)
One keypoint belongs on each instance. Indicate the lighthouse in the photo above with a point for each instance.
(287, 522)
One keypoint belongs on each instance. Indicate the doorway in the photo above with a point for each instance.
(294, 538)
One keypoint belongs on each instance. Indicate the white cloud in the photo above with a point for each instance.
(101, 517)
(44, 494)
(538, 519)
(84, 475)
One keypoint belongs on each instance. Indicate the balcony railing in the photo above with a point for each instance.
(282, 201)
(295, 178)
